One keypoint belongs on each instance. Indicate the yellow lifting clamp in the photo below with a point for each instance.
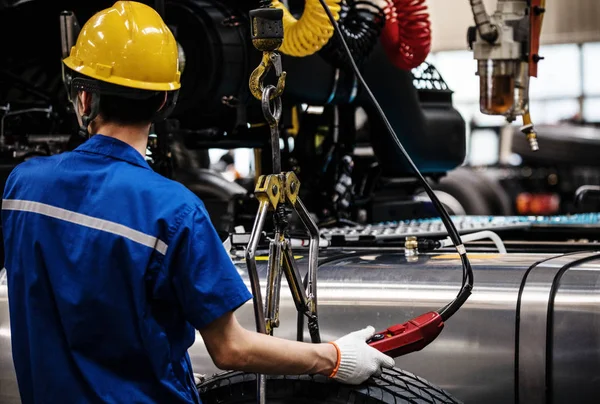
(274, 193)
(277, 189)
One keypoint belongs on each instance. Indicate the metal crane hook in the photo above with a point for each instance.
(257, 78)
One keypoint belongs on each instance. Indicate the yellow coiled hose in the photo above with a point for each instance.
(311, 32)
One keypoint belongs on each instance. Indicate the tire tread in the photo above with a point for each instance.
(393, 386)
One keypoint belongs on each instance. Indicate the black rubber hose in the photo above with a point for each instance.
(362, 23)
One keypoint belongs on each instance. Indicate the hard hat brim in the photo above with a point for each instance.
(120, 81)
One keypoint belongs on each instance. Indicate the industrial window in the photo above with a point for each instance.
(591, 62)
(591, 109)
(559, 74)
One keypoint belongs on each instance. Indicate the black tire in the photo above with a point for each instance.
(478, 193)
(393, 386)
(463, 188)
(496, 197)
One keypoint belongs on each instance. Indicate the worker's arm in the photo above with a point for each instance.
(209, 289)
(232, 347)
(349, 359)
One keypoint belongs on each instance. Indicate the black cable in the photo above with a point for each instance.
(467, 285)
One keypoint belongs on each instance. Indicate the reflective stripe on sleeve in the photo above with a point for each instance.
(87, 221)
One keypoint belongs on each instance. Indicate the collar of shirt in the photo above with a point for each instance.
(113, 148)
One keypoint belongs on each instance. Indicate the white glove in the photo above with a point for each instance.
(357, 361)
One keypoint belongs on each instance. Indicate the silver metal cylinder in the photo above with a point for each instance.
(574, 370)
(474, 356)
(530, 317)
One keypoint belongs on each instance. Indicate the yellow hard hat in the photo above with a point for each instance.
(128, 45)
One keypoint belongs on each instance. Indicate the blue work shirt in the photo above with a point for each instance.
(110, 269)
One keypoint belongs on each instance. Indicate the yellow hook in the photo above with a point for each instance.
(257, 78)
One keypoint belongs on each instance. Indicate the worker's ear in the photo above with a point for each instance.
(84, 103)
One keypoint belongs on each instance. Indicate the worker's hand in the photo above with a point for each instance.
(357, 361)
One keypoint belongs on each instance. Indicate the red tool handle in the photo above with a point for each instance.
(411, 336)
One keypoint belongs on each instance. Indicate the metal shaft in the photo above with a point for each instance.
(277, 288)
(298, 289)
(251, 264)
(273, 283)
(272, 118)
(259, 315)
(275, 149)
(294, 279)
(313, 249)
(313, 261)
(261, 389)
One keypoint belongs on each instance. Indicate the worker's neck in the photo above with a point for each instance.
(134, 136)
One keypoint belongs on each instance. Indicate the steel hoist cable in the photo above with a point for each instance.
(417, 333)
(361, 22)
(309, 33)
(406, 36)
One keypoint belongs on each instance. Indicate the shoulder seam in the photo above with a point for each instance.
(174, 228)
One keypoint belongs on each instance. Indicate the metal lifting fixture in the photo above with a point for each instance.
(278, 193)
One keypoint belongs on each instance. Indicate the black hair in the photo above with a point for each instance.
(127, 111)
(121, 105)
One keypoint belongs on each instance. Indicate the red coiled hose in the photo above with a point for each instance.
(406, 36)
